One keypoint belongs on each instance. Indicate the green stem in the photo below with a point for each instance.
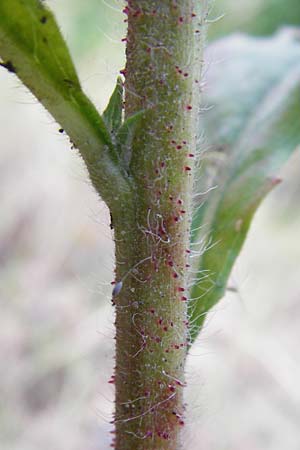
(152, 236)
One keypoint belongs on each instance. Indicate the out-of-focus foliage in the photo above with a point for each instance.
(252, 129)
(258, 17)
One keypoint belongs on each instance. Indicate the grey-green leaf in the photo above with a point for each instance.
(252, 129)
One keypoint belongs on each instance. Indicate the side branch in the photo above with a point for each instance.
(32, 47)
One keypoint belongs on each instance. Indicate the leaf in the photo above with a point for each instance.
(113, 112)
(252, 128)
(32, 46)
(125, 135)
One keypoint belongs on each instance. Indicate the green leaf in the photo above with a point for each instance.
(125, 135)
(113, 113)
(32, 46)
(252, 129)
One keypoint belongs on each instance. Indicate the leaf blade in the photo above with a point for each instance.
(125, 135)
(113, 112)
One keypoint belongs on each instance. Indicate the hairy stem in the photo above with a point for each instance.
(152, 237)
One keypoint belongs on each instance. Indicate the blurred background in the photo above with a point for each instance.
(56, 263)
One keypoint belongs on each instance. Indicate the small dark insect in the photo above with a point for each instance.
(9, 66)
(43, 19)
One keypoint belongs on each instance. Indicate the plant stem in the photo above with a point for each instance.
(152, 230)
